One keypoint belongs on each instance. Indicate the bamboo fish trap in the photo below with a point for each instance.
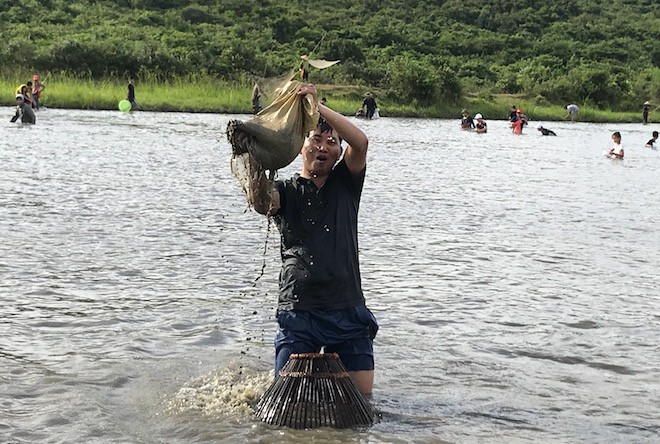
(314, 390)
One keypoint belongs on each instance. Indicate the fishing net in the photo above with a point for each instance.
(271, 139)
(314, 390)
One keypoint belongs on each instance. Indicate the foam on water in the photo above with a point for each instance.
(229, 392)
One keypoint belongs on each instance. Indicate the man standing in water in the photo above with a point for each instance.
(370, 104)
(321, 303)
(24, 111)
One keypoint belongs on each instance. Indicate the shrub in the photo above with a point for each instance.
(415, 78)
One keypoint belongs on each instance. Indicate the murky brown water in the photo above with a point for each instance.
(515, 279)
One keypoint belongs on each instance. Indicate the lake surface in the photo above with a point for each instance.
(515, 280)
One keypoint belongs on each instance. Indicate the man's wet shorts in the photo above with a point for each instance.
(348, 332)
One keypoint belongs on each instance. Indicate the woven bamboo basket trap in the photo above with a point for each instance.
(314, 390)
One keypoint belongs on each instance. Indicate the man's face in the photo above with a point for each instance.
(320, 151)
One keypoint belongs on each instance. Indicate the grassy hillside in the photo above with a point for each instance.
(597, 53)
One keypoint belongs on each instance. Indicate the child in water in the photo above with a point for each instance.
(617, 149)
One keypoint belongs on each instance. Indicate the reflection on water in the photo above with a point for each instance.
(514, 278)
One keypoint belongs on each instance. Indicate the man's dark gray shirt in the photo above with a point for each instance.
(319, 243)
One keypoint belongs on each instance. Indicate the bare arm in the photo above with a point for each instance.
(356, 151)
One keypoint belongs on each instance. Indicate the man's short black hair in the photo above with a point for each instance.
(324, 127)
(655, 134)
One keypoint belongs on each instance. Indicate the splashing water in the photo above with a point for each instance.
(231, 392)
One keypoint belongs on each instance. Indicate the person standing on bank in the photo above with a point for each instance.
(646, 109)
(130, 95)
(304, 72)
(321, 303)
(256, 96)
(573, 111)
(37, 89)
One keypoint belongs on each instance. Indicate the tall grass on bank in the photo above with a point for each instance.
(194, 93)
(203, 93)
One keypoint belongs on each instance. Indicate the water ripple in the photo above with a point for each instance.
(514, 280)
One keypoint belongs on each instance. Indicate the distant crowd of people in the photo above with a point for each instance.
(518, 120)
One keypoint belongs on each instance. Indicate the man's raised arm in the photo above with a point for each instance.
(356, 152)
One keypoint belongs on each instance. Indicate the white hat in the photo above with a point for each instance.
(539, 126)
(478, 116)
(20, 96)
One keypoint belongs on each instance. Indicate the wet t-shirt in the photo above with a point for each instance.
(319, 245)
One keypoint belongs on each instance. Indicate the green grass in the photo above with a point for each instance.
(190, 94)
(202, 93)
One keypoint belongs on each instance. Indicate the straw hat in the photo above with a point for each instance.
(647, 103)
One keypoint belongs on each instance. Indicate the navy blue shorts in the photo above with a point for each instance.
(349, 332)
